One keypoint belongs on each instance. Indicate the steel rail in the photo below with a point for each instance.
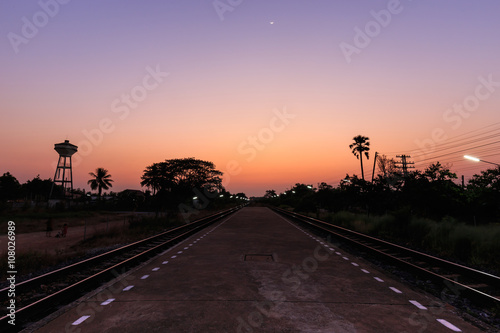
(28, 284)
(366, 242)
(47, 304)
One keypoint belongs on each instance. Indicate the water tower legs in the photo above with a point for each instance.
(64, 171)
(63, 177)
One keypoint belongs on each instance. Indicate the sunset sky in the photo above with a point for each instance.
(272, 92)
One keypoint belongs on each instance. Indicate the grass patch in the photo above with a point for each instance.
(137, 228)
(134, 228)
(34, 261)
(37, 221)
(476, 246)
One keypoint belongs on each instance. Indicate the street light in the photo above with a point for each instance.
(475, 159)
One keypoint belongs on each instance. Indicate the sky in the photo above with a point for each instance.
(271, 92)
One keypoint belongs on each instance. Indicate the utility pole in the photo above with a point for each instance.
(404, 164)
(374, 164)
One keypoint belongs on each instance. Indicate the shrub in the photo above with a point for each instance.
(418, 229)
(473, 245)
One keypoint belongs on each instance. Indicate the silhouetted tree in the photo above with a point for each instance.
(359, 146)
(241, 195)
(38, 189)
(487, 179)
(386, 165)
(433, 192)
(157, 176)
(176, 179)
(301, 197)
(10, 189)
(438, 172)
(270, 194)
(324, 186)
(101, 180)
(483, 192)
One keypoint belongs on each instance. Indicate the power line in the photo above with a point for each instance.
(458, 137)
(462, 144)
(458, 151)
(454, 140)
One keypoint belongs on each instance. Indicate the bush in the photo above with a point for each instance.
(475, 246)
(344, 219)
(461, 241)
(419, 228)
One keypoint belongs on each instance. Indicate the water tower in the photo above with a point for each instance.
(64, 172)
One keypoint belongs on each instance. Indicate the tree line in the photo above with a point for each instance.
(433, 192)
(38, 190)
(173, 185)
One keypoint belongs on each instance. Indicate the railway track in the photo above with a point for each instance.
(480, 288)
(41, 295)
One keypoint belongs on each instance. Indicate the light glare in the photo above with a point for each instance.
(472, 158)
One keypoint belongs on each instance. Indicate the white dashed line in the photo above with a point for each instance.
(106, 302)
(418, 305)
(155, 269)
(165, 262)
(378, 279)
(338, 253)
(144, 277)
(179, 252)
(365, 271)
(80, 320)
(173, 257)
(127, 288)
(397, 291)
(186, 248)
(354, 264)
(345, 258)
(331, 249)
(449, 325)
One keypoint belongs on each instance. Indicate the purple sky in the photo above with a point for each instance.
(392, 71)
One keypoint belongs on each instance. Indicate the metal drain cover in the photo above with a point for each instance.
(259, 257)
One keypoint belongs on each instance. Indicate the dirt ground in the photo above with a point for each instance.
(76, 232)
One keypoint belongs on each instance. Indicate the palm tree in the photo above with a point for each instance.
(100, 181)
(361, 145)
(270, 194)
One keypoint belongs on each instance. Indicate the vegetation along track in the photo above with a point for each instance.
(44, 294)
(480, 288)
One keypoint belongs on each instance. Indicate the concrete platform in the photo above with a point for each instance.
(289, 282)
